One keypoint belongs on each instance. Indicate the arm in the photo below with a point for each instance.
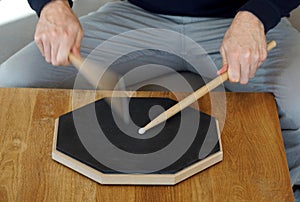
(58, 31)
(244, 44)
(269, 12)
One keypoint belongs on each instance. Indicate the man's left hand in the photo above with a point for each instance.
(244, 47)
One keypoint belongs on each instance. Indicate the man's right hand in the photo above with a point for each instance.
(58, 32)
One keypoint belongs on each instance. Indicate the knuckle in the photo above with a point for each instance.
(53, 34)
(245, 70)
(65, 34)
(246, 54)
(43, 37)
(256, 56)
(234, 53)
(37, 38)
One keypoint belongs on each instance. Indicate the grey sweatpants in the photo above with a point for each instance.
(278, 75)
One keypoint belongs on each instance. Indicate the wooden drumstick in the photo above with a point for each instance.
(191, 98)
(76, 61)
(109, 81)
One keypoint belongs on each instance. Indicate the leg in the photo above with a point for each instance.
(27, 68)
(279, 75)
(286, 64)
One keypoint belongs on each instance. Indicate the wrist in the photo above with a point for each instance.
(57, 5)
(248, 17)
(64, 1)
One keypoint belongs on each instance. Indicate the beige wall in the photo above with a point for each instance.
(295, 18)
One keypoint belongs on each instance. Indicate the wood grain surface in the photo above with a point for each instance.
(254, 166)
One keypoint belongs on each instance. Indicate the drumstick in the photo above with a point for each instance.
(76, 61)
(109, 80)
(191, 98)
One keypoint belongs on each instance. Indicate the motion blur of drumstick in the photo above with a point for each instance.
(104, 79)
(191, 98)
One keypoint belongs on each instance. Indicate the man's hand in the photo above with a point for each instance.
(58, 32)
(244, 47)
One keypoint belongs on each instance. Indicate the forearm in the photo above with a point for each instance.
(270, 11)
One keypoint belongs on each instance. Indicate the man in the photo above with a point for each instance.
(232, 32)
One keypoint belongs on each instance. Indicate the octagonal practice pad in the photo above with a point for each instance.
(94, 142)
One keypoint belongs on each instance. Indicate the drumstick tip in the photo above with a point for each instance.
(142, 131)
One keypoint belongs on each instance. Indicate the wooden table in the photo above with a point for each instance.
(254, 166)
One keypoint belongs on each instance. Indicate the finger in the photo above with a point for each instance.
(39, 42)
(234, 67)
(63, 55)
(47, 51)
(76, 47)
(54, 52)
(255, 63)
(64, 50)
(245, 70)
(223, 54)
(263, 55)
(40, 46)
(259, 63)
(77, 44)
(254, 68)
(223, 69)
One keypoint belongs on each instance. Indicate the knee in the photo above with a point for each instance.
(289, 110)
(12, 75)
(22, 68)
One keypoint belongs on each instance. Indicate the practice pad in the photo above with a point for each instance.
(95, 142)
